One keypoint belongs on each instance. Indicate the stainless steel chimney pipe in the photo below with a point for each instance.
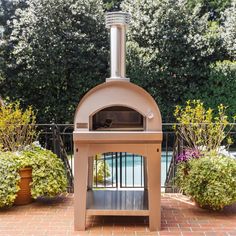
(117, 22)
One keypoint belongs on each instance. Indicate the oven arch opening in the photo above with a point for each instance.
(117, 118)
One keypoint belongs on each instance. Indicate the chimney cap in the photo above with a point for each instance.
(117, 18)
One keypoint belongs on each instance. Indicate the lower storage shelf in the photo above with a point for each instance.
(117, 202)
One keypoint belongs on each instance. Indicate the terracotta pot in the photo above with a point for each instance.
(24, 194)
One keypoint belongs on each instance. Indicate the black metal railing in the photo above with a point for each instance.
(116, 170)
(58, 138)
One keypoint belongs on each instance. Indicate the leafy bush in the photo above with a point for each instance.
(209, 180)
(102, 171)
(48, 174)
(17, 127)
(199, 127)
(9, 179)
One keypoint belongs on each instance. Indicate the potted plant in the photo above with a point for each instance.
(17, 130)
(48, 172)
(205, 172)
(24, 194)
(27, 169)
(24, 169)
(210, 181)
(48, 175)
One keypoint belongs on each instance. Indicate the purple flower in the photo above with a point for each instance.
(187, 155)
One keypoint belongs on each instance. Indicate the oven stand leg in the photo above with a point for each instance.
(80, 188)
(154, 185)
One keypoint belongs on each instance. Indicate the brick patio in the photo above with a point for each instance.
(179, 217)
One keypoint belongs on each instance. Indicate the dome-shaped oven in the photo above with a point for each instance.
(117, 106)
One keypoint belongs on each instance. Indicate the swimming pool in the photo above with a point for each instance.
(127, 169)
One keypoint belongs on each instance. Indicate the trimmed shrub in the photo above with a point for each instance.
(210, 180)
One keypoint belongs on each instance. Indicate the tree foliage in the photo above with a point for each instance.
(54, 51)
(112, 5)
(228, 29)
(170, 48)
(60, 52)
(212, 7)
(220, 87)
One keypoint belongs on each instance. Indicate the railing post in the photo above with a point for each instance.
(56, 147)
(145, 173)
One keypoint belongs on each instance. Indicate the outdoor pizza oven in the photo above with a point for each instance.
(117, 116)
(117, 106)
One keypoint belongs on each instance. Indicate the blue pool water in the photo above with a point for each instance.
(131, 174)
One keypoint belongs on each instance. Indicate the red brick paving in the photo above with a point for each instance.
(179, 217)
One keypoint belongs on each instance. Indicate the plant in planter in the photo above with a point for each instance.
(12, 170)
(188, 154)
(17, 127)
(200, 128)
(17, 132)
(205, 171)
(211, 180)
(25, 171)
(48, 174)
(184, 166)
